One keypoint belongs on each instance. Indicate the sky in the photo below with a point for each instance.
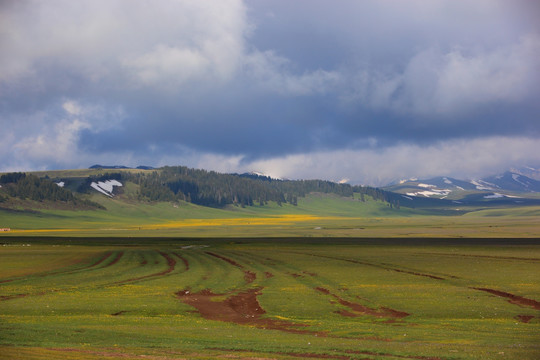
(367, 92)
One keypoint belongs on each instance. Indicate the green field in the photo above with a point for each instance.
(317, 215)
(111, 298)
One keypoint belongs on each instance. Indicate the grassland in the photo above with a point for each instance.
(69, 298)
(316, 215)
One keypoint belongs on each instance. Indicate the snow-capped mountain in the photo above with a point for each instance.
(511, 181)
(507, 185)
(528, 171)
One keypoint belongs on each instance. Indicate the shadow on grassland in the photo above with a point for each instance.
(171, 241)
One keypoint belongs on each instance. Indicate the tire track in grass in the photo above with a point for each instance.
(119, 254)
(184, 260)
(336, 355)
(515, 300)
(512, 299)
(372, 353)
(171, 263)
(61, 271)
(317, 282)
(249, 276)
(359, 309)
(268, 263)
(240, 308)
(380, 266)
(293, 354)
(482, 256)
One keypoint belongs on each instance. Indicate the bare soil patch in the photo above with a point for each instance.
(242, 308)
(359, 309)
(119, 313)
(513, 299)
(184, 260)
(230, 261)
(249, 276)
(525, 318)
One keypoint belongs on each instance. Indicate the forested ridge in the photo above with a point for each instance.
(209, 188)
(201, 187)
(31, 187)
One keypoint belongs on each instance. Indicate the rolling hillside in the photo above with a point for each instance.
(178, 200)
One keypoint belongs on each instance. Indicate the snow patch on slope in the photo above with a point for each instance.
(106, 187)
(431, 192)
(516, 179)
(483, 185)
(494, 196)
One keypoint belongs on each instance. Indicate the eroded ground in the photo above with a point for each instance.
(255, 300)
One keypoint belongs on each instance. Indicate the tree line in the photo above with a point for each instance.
(201, 187)
(209, 188)
(28, 186)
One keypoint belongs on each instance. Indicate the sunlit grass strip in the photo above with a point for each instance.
(255, 221)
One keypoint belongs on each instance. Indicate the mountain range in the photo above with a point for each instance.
(90, 188)
(510, 186)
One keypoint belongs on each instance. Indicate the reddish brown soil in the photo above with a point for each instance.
(346, 313)
(323, 290)
(359, 309)
(268, 275)
(119, 313)
(10, 297)
(18, 296)
(230, 261)
(417, 274)
(249, 276)
(524, 318)
(107, 254)
(241, 308)
(513, 299)
(184, 260)
(116, 259)
(295, 275)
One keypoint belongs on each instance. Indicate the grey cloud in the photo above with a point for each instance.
(242, 82)
(451, 84)
(468, 159)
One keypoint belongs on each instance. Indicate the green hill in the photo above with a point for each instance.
(178, 201)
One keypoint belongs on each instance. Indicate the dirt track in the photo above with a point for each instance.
(513, 299)
(359, 309)
(241, 308)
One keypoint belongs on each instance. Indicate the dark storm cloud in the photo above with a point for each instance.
(236, 84)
